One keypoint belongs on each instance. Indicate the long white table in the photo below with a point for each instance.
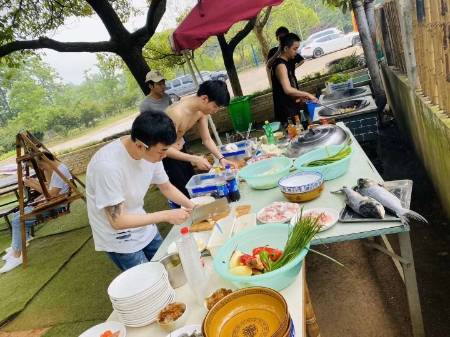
(360, 167)
(294, 295)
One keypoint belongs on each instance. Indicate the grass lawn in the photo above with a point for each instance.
(47, 256)
(76, 297)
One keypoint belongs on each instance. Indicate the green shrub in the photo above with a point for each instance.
(338, 78)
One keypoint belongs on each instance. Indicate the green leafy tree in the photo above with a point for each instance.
(24, 26)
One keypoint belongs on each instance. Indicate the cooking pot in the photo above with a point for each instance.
(316, 136)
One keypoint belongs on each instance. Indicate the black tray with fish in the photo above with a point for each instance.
(401, 188)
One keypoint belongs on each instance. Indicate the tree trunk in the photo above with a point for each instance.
(369, 8)
(262, 41)
(227, 54)
(139, 68)
(369, 53)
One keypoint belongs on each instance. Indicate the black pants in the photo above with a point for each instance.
(179, 173)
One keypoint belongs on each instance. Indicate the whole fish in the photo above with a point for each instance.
(376, 191)
(365, 206)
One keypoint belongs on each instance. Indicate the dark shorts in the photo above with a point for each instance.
(179, 173)
(129, 260)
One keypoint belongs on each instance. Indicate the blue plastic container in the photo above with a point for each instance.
(273, 235)
(330, 171)
(311, 106)
(264, 174)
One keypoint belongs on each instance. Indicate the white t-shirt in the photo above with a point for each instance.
(58, 182)
(112, 177)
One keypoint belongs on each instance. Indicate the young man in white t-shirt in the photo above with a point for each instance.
(117, 180)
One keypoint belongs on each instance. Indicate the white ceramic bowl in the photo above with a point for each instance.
(301, 182)
(178, 323)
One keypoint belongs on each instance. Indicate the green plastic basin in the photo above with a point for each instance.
(264, 174)
(273, 235)
(330, 171)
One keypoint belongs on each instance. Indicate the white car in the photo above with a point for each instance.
(329, 43)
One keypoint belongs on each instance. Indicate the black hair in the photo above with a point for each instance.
(152, 127)
(48, 155)
(152, 83)
(288, 40)
(281, 31)
(216, 91)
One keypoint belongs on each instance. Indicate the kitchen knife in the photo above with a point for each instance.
(205, 212)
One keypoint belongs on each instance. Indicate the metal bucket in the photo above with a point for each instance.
(172, 263)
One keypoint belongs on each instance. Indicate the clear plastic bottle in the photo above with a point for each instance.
(269, 133)
(232, 185)
(192, 264)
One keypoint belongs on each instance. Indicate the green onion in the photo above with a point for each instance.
(298, 238)
(344, 152)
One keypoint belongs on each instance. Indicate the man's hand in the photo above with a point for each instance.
(224, 162)
(177, 216)
(201, 163)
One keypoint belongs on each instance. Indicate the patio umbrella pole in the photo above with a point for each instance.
(210, 121)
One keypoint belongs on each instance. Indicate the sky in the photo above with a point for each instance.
(72, 66)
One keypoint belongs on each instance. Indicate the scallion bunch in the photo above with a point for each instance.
(298, 238)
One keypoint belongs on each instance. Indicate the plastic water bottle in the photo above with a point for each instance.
(269, 133)
(232, 184)
(192, 264)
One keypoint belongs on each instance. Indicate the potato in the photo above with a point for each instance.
(241, 271)
(235, 259)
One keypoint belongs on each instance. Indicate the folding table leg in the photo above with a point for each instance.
(412, 292)
(312, 328)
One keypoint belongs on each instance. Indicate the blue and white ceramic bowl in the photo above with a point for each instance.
(300, 182)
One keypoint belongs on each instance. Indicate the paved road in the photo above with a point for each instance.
(251, 80)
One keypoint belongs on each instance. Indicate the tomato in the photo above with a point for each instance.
(246, 259)
(107, 333)
(274, 254)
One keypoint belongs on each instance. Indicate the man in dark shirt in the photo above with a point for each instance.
(275, 51)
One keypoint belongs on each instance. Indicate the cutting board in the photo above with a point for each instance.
(208, 225)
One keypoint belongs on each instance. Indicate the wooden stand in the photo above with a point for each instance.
(28, 152)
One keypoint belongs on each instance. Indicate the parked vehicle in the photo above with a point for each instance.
(330, 43)
(184, 85)
(317, 35)
(220, 75)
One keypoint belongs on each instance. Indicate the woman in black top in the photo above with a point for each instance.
(285, 91)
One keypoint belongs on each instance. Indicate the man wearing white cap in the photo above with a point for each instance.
(157, 99)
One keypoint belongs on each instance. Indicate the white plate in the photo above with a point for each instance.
(200, 245)
(334, 214)
(136, 280)
(189, 329)
(97, 330)
(279, 205)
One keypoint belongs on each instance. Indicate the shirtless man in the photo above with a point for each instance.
(190, 111)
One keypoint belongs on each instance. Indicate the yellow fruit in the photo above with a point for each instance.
(235, 259)
(241, 271)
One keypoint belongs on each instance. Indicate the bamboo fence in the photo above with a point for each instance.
(432, 47)
(392, 24)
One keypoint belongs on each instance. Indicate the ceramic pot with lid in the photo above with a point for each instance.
(316, 136)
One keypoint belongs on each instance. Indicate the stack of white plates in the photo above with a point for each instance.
(139, 293)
